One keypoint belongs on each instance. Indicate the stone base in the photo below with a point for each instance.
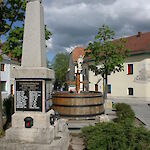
(108, 104)
(41, 136)
(40, 132)
(40, 120)
(31, 135)
(59, 143)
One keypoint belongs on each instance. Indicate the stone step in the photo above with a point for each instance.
(57, 144)
(78, 124)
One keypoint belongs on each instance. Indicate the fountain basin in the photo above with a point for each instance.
(82, 105)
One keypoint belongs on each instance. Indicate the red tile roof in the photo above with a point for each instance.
(77, 52)
(138, 43)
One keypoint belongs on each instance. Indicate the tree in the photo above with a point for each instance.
(14, 36)
(11, 11)
(14, 42)
(60, 65)
(107, 55)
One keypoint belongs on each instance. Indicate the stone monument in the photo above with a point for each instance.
(34, 127)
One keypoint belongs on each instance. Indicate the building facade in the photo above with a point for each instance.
(134, 81)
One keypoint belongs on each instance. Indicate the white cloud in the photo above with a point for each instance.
(76, 22)
(69, 49)
(49, 44)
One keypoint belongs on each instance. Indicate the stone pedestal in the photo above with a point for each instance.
(41, 132)
(54, 137)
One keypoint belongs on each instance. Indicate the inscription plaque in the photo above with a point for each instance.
(29, 95)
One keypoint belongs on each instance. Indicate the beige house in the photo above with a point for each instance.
(134, 81)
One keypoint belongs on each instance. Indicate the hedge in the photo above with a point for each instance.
(124, 113)
(118, 135)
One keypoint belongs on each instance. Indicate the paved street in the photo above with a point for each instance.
(140, 108)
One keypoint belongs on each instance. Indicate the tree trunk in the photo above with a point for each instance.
(105, 86)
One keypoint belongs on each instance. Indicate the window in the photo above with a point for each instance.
(3, 85)
(2, 67)
(12, 91)
(109, 88)
(130, 68)
(96, 87)
(130, 91)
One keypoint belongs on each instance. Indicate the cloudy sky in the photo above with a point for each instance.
(76, 22)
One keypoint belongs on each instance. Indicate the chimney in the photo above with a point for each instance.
(139, 34)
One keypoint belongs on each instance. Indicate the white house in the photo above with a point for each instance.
(7, 82)
(134, 81)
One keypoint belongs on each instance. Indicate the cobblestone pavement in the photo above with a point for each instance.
(76, 142)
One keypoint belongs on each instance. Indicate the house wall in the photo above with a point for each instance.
(5, 76)
(121, 81)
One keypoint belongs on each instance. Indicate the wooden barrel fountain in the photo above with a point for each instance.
(77, 105)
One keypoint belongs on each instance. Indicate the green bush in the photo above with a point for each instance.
(116, 136)
(8, 108)
(113, 106)
(105, 136)
(124, 113)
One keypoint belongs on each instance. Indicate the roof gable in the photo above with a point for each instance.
(77, 52)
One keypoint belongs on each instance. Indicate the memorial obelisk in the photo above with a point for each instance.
(33, 126)
(34, 52)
